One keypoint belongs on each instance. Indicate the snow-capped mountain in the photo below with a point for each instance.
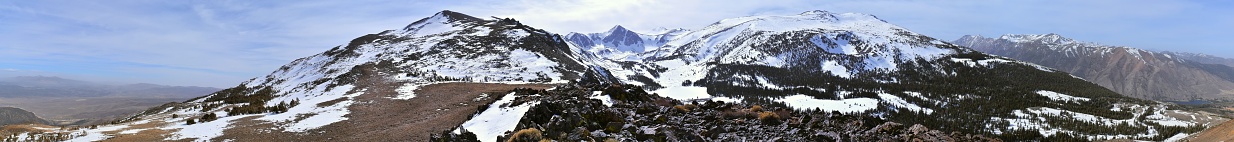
(446, 47)
(1129, 71)
(844, 45)
(620, 43)
(398, 84)
(859, 64)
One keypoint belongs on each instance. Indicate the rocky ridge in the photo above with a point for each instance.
(1129, 71)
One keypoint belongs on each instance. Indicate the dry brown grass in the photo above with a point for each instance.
(143, 135)
(1222, 132)
(151, 132)
(376, 117)
(685, 108)
(22, 128)
(765, 116)
(526, 135)
(756, 108)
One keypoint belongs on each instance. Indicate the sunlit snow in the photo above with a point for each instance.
(852, 105)
(497, 119)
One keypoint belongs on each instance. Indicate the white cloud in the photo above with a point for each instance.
(231, 40)
(598, 15)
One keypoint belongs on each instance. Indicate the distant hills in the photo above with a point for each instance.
(51, 86)
(70, 102)
(11, 115)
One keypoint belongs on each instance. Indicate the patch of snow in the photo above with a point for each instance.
(328, 115)
(1176, 137)
(928, 53)
(901, 103)
(835, 45)
(517, 34)
(766, 83)
(774, 61)
(604, 98)
(727, 99)
(407, 91)
(203, 131)
(886, 63)
(836, 69)
(317, 116)
(496, 119)
(683, 92)
(853, 105)
(92, 134)
(1061, 97)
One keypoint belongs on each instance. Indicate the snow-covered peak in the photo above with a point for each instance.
(971, 37)
(816, 12)
(834, 31)
(620, 43)
(1046, 38)
(441, 22)
(809, 20)
(663, 30)
(618, 29)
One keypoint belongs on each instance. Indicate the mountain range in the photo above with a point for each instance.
(74, 102)
(1164, 76)
(814, 76)
(51, 86)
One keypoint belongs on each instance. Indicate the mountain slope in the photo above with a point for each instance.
(853, 72)
(858, 64)
(1129, 71)
(315, 94)
(1202, 58)
(11, 115)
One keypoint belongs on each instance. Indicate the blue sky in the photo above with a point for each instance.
(220, 43)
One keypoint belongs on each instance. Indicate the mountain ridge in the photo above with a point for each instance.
(12, 115)
(1130, 71)
(842, 68)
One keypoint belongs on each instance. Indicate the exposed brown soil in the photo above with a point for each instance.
(143, 135)
(21, 128)
(150, 132)
(376, 117)
(1223, 132)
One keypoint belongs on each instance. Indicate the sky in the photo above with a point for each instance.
(220, 43)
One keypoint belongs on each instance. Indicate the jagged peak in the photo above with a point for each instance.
(455, 16)
(816, 12)
(445, 16)
(618, 28)
(971, 37)
(1047, 38)
(816, 19)
(839, 16)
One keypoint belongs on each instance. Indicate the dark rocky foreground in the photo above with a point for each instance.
(567, 113)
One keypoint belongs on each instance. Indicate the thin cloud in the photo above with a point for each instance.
(220, 43)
